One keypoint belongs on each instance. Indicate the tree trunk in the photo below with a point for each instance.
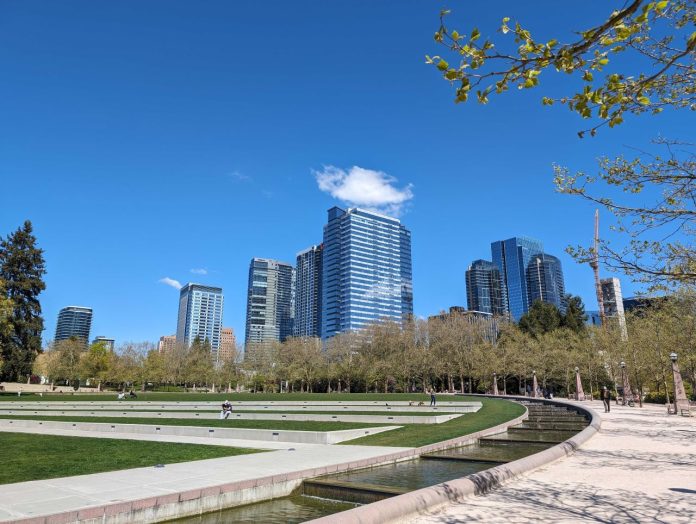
(461, 383)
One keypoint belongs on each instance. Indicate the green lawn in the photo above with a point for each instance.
(149, 409)
(249, 397)
(493, 412)
(210, 423)
(35, 457)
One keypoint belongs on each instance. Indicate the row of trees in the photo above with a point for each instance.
(452, 352)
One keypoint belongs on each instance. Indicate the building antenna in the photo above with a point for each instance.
(594, 264)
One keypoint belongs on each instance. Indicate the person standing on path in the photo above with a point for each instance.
(606, 398)
(433, 400)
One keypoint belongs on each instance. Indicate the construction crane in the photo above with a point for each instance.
(594, 264)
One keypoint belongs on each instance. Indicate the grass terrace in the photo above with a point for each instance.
(33, 457)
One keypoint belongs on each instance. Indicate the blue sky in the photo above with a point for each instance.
(145, 140)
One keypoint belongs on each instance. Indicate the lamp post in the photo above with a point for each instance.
(579, 391)
(535, 384)
(673, 358)
(623, 381)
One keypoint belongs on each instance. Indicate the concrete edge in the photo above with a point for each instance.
(427, 499)
(130, 511)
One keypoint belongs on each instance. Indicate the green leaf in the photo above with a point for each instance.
(643, 100)
(442, 65)
(475, 35)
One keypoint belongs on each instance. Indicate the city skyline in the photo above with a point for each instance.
(180, 108)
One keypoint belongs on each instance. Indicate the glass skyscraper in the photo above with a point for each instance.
(74, 321)
(545, 281)
(367, 274)
(270, 300)
(200, 315)
(308, 292)
(512, 257)
(485, 291)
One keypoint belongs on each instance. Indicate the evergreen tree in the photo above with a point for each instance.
(541, 318)
(575, 317)
(22, 269)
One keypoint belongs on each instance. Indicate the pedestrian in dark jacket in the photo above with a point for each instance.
(606, 398)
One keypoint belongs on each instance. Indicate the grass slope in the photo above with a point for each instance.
(287, 425)
(492, 413)
(148, 409)
(35, 457)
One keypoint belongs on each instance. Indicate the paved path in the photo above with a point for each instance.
(42, 497)
(641, 467)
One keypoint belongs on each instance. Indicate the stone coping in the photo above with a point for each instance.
(426, 499)
(272, 416)
(469, 407)
(137, 510)
(275, 435)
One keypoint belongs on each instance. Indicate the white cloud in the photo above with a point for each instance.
(364, 188)
(239, 177)
(199, 271)
(170, 282)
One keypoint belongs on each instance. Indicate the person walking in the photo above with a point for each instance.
(606, 398)
(433, 400)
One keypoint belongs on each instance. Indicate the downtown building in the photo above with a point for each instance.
(485, 291)
(545, 281)
(308, 286)
(166, 344)
(270, 302)
(512, 257)
(200, 316)
(74, 322)
(367, 271)
(613, 301)
(108, 343)
(528, 274)
(228, 345)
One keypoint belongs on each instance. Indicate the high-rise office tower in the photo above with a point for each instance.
(108, 343)
(228, 345)
(74, 321)
(366, 271)
(270, 300)
(484, 288)
(512, 257)
(200, 315)
(308, 292)
(613, 303)
(545, 281)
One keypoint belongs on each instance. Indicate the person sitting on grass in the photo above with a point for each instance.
(132, 394)
(226, 409)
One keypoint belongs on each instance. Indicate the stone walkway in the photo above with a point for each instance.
(46, 497)
(641, 467)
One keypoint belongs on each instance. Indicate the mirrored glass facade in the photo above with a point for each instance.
(512, 257)
(545, 281)
(367, 272)
(270, 301)
(485, 291)
(200, 315)
(308, 274)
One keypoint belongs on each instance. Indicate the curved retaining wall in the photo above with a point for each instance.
(427, 499)
(217, 498)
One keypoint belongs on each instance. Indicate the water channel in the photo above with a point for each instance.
(334, 493)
